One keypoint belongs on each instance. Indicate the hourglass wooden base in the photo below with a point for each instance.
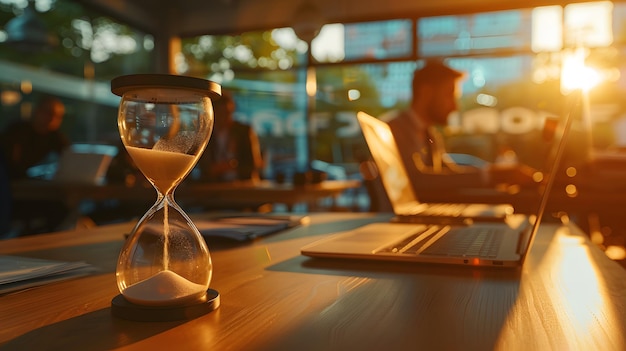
(122, 308)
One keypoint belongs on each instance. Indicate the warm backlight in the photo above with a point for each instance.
(575, 75)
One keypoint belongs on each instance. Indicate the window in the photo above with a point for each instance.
(92, 49)
(84, 38)
(378, 40)
(482, 33)
(513, 59)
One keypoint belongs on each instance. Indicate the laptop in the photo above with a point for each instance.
(494, 244)
(84, 164)
(397, 185)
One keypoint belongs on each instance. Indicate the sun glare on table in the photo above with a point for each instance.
(583, 294)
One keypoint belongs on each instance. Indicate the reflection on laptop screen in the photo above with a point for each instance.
(388, 160)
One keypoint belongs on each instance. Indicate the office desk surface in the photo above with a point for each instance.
(568, 296)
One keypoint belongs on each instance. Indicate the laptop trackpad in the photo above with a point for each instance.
(365, 239)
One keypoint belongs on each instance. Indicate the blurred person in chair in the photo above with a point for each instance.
(435, 90)
(27, 143)
(233, 152)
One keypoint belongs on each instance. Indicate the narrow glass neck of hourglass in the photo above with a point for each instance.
(166, 200)
(169, 191)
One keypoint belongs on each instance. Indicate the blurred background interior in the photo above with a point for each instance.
(292, 64)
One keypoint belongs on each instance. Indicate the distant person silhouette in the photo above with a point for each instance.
(233, 152)
(27, 143)
(435, 90)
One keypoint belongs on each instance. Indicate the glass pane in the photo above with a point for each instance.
(92, 49)
(503, 108)
(369, 40)
(342, 92)
(547, 28)
(619, 23)
(607, 109)
(90, 45)
(274, 104)
(588, 24)
(504, 103)
(217, 57)
(329, 44)
(476, 33)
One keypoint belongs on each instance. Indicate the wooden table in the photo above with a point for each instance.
(568, 296)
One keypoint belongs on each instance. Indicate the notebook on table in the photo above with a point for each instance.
(248, 227)
(500, 244)
(397, 185)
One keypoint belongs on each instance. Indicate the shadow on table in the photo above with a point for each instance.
(374, 269)
(94, 331)
(217, 243)
(416, 306)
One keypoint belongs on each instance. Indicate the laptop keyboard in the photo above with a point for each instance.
(435, 209)
(456, 242)
(451, 210)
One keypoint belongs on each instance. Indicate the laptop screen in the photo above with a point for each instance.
(387, 157)
(554, 158)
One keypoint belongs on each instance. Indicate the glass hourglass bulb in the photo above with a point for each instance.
(165, 123)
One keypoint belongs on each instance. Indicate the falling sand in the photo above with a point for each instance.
(163, 288)
(165, 169)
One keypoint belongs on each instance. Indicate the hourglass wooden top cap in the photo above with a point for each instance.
(123, 84)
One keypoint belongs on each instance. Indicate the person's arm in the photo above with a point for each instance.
(62, 142)
(489, 174)
(13, 149)
(255, 148)
(518, 174)
(249, 154)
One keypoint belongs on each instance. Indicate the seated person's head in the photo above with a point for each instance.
(48, 115)
(435, 91)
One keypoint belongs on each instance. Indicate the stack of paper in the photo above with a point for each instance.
(242, 228)
(18, 273)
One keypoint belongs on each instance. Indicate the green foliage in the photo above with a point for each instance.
(75, 42)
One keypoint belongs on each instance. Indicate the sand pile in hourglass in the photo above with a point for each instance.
(165, 165)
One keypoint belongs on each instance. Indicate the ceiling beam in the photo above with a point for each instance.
(196, 17)
(237, 16)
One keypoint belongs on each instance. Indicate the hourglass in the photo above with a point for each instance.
(164, 268)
